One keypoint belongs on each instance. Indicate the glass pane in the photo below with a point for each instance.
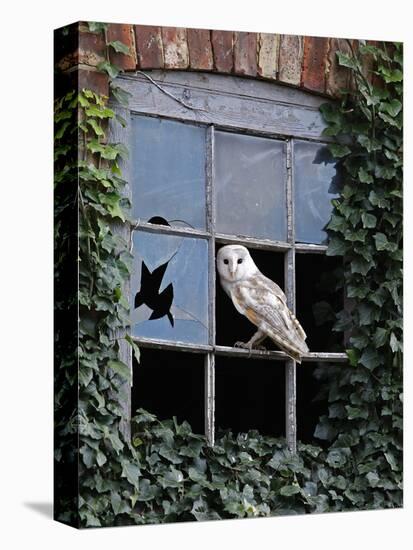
(315, 184)
(168, 172)
(250, 183)
(169, 288)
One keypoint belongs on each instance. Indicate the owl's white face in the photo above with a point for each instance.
(234, 263)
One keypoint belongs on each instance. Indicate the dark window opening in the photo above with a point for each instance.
(231, 326)
(310, 406)
(169, 383)
(250, 395)
(317, 277)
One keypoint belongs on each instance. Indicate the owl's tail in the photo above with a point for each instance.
(293, 347)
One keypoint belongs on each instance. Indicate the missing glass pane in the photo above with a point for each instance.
(231, 326)
(317, 298)
(316, 183)
(250, 183)
(170, 288)
(250, 395)
(168, 171)
(169, 384)
(310, 404)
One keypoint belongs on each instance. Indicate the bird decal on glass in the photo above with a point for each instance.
(159, 302)
(260, 300)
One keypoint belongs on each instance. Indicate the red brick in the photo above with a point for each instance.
(289, 62)
(200, 49)
(149, 47)
(245, 53)
(337, 77)
(124, 34)
(313, 75)
(92, 48)
(93, 80)
(175, 48)
(223, 48)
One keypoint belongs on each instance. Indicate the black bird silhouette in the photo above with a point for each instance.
(149, 294)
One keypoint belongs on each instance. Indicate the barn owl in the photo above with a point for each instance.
(261, 300)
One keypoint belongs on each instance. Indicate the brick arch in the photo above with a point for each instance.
(304, 62)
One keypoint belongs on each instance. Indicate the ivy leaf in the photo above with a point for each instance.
(378, 199)
(336, 247)
(392, 461)
(385, 172)
(338, 457)
(121, 95)
(380, 337)
(369, 220)
(390, 75)
(112, 202)
(289, 490)
(370, 358)
(119, 47)
(134, 346)
(395, 344)
(339, 151)
(172, 478)
(373, 479)
(364, 176)
(120, 368)
(331, 113)
(360, 265)
(346, 60)
(392, 107)
(94, 111)
(96, 127)
(108, 68)
(356, 412)
(353, 357)
(381, 241)
(131, 472)
(61, 131)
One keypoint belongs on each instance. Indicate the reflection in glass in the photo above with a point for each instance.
(250, 183)
(169, 288)
(315, 185)
(168, 171)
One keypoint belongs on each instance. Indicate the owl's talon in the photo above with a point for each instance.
(243, 345)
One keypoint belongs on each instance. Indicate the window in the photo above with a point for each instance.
(229, 160)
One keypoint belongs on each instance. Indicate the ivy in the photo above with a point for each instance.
(164, 472)
(370, 389)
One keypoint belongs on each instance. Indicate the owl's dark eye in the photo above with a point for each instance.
(240, 260)
(226, 261)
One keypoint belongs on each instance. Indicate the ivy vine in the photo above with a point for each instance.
(164, 472)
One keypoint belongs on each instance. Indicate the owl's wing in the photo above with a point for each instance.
(264, 303)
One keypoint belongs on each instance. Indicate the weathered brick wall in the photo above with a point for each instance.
(304, 62)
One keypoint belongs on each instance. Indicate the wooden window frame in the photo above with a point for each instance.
(240, 105)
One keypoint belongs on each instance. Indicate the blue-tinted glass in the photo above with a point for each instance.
(168, 171)
(250, 183)
(170, 284)
(315, 185)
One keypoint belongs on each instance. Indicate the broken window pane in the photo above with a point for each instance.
(169, 288)
(250, 183)
(316, 183)
(168, 171)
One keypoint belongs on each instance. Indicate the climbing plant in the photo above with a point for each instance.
(365, 400)
(164, 472)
